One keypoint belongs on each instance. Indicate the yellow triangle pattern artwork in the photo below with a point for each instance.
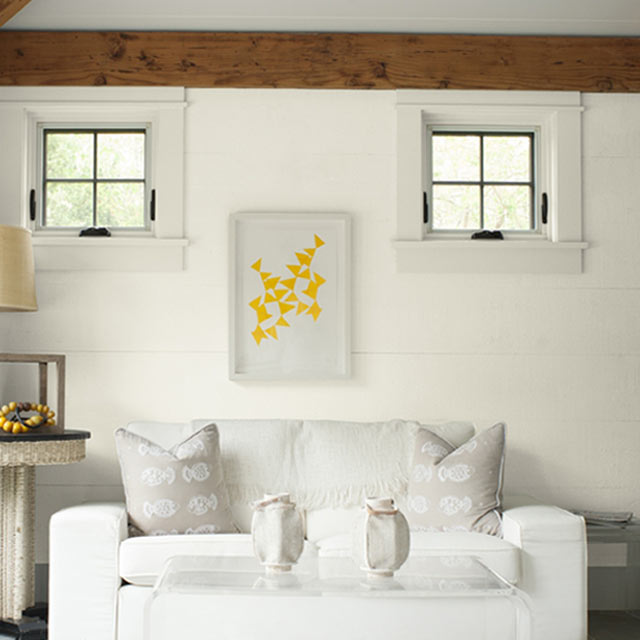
(270, 283)
(303, 258)
(314, 310)
(258, 335)
(285, 298)
(290, 283)
(272, 332)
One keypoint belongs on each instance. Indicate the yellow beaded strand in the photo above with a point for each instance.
(16, 424)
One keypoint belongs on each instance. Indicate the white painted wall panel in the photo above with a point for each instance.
(125, 313)
(556, 357)
(305, 121)
(524, 390)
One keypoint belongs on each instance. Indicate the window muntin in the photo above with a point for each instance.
(482, 180)
(94, 177)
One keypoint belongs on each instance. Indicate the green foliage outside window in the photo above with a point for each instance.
(94, 177)
(482, 181)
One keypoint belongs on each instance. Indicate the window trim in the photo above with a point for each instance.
(557, 116)
(95, 128)
(160, 249)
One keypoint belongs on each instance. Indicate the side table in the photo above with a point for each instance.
(614, 567)
(19, 456)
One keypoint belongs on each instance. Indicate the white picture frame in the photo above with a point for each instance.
(289, 284)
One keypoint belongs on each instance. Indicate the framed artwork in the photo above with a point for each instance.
(289, 284)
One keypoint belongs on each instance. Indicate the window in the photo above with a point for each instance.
(482, 180)
(94, 177)
(468, 161)
(105, 156)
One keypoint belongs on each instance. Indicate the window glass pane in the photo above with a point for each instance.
(121, 155)
(507, 158)
(507, 207)
(69, 155)
(456, 157)
(121, 204)
(69, 204)
(456, 207)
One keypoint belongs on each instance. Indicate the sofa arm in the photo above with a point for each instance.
(554, 568)
(84, 578)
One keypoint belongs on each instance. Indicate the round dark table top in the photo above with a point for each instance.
(34, 436)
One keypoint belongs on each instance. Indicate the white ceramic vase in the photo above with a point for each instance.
(277, 532)
(381, 537)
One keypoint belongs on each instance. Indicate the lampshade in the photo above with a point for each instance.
(17, 281)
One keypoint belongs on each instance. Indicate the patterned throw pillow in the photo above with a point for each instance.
(181, 490)
(457, 489)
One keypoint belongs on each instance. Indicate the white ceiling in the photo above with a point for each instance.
(552, 17)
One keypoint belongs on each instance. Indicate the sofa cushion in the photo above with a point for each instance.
(457, 489)
(325, 523)
(179, 490)
(142, 558)
(499, 555)
(289, 456)
(242, 515)
(342, 463)
(257, 455)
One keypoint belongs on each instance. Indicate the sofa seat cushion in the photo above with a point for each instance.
(497, 554)
(142, 558)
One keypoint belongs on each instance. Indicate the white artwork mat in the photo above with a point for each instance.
(289, 280)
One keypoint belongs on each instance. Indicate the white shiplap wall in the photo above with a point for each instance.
(556, 357)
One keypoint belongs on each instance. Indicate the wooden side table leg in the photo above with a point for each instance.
(17, 497)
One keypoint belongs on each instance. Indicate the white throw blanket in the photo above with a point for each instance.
(321, 463)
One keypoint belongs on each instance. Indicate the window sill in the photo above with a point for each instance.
(488, 256)
(108, 254)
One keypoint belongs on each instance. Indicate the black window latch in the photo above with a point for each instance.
(96, 232)
(425, 208)
(487, 235)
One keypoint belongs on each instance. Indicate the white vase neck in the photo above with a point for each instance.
(272, 499)
(381, 506)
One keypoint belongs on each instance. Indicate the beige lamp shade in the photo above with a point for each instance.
(17, 281)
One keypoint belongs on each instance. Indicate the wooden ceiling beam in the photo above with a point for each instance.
(319, 61)
(9, 8)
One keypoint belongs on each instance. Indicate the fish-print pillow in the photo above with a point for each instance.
(180, 490)
(457, 489)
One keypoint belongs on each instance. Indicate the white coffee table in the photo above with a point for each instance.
(440, 598)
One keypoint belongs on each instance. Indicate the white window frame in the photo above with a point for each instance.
(556, 118)
(160, 248)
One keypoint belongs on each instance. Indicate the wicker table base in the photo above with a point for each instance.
(19, 455)
(17, 495)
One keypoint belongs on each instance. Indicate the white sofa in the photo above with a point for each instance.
(100, 578)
